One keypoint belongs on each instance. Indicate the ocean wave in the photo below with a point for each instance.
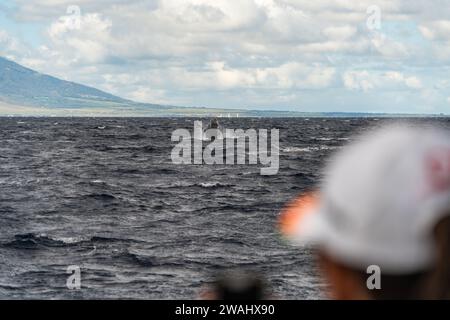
(165, 171)
(182, 184)
(144, 149)
(308, 149)
(101, 196)
(128, 171)
(34, 241)
(176, 184)
(112, 201)
(145, 260)
(98, 181)
(212, 184)
(141, 260)
(323, 138)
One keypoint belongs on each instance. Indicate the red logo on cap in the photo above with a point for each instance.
(438, 170)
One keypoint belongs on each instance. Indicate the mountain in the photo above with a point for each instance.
(23, 86)
(25, 92)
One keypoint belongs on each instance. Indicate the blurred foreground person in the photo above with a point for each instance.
(237, 285)
(384, 207)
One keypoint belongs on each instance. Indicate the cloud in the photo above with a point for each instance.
(358, 80)
(81, 39)
(366, 81)
(10, 47)
(389, 48)
(286, 76)
(436, 30)
(228, 53)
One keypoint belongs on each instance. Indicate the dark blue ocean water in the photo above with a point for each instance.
(104, 195)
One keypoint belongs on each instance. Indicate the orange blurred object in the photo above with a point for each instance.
(291, 216)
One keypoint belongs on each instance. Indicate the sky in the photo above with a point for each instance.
(319, 56)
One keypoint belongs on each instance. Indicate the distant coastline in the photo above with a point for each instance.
(25, 92)
(10, 110)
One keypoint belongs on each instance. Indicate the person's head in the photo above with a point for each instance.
(348, 282)
(237, 285)
(380, 222)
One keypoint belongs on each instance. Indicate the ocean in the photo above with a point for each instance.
(103, 194)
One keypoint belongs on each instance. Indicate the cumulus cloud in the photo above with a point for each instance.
(85, 40)
(10, 47)
(436, 30)
(194, 51)
(366, 81)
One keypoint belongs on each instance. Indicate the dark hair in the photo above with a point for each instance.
(240, 285)
(430, 284)
(438, 284)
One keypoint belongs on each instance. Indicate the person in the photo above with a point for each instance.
(215, 128)
(214, 124)
(379, 223)
(237, 284)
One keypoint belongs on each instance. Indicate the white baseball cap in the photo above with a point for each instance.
(380, 200)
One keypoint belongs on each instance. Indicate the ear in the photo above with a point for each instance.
(344, 283)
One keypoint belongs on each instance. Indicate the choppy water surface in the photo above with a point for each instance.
(103, 194)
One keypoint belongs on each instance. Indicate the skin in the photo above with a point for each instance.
(344, 284)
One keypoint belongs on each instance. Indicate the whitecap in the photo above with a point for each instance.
(209, 184)
(307, 149)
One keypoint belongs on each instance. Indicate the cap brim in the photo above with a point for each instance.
(302, 222)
